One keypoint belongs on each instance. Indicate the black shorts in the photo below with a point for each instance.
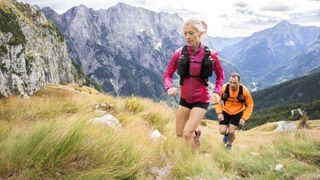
(184, 103)
(231, 119)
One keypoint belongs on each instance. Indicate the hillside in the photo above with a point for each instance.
(276, 103)
(33, 52)
(303, 89)
(52, 135)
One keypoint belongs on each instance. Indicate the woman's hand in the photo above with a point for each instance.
(172, 91)
(215, 98)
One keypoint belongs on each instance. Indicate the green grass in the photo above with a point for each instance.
(134, 105)
(16, 109)
(303, 147)
(51, 136)
(45, 149)
(157, 120)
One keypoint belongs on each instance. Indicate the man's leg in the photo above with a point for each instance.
(181, 119)
(223, 128)
(234, 123)
(232, 133)
(224, 131)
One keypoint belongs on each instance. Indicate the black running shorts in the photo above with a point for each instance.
(184, 103)
(231, 119)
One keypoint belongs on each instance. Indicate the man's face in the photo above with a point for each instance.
(234, 83)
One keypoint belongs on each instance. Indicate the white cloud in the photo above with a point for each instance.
(276, 7)
(228, 18)
(240, 4)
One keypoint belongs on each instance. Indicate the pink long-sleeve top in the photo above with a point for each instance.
(193, 88)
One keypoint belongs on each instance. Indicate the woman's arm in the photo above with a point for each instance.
(172, 67)
(217, 67)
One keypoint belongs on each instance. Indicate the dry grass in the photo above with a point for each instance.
(50, 136)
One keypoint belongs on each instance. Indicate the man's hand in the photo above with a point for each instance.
(220, 117)
(242, 122)
(172, 91)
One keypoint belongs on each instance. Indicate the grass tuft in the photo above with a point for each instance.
(134, 105)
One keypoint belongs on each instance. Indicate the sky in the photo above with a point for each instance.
(225, 18)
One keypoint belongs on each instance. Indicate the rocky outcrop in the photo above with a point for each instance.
(33, 52)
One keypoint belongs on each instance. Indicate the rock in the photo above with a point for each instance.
(104, 107)
(254, 153)
(109, 120)
(155, 134)
(278, 167)
(285, 127)
(161, 173)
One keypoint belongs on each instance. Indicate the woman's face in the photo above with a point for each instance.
(192, 36)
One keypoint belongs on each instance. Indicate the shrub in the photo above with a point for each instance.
(134, 105)
(156, 120)
(9, 23)
(3, 50)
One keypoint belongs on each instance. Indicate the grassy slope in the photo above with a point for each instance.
(50, 135)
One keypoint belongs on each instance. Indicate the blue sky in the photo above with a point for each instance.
(226, 18)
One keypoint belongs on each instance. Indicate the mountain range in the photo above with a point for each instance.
(295, 66)
(126, 50)
(270, 56)
(219, 43)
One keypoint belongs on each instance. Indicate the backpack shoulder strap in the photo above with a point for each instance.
(185, 68)
(184, 51)
(207, 52)
(240, 95)
(240, 90)
(227, 89)
(206, 66)
(225, 95)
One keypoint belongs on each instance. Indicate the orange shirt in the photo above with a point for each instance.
(232, 106)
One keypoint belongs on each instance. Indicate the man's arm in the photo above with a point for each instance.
(249, 104)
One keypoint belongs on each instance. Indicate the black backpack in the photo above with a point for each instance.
(240, 96)
(206, 65)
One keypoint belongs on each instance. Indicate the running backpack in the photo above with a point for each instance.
(240, 96)
(206, 65)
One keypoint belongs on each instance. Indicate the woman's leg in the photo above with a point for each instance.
(181, 119)
(195, 117)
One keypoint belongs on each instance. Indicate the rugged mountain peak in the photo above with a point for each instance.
(124, 48)
(284, 23)
(264, 51)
